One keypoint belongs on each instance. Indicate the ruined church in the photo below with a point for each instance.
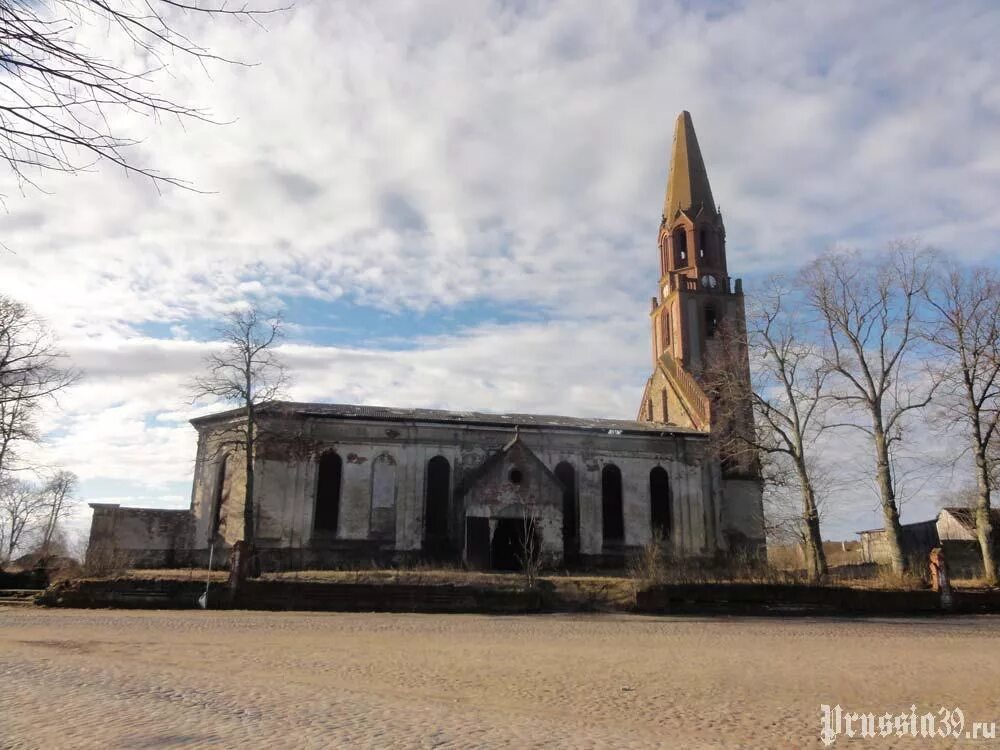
(338, 484)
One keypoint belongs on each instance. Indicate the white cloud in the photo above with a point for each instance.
(418, 156)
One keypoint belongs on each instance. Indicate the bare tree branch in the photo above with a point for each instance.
(965, 332)
(248, 373)
(869, 307)
(787, 393)
(32, 372)
(58, 98)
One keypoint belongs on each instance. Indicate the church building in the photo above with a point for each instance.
(338, 484)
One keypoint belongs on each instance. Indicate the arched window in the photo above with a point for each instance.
(383, 515)
(711, 321)
(327, 511)
(221, 495)
(680, 248)
(612, 511)
(665, 331)
(702, 244)
(649, 410)
(659, 502)
(437, 499)
(665, 403)
(566, 475)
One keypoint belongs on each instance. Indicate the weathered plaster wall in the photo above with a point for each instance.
(144, 536)
(537, 495)
(286, 481)
(384, 486)
(743, 511)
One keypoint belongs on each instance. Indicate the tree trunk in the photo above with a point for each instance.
(890, 513)
(984, 524)
(251, 567)
(816, 567)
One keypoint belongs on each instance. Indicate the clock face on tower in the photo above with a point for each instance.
(708, 281)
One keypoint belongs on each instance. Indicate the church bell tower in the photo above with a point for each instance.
(696, 298)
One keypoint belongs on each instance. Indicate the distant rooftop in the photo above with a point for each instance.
(440, 416)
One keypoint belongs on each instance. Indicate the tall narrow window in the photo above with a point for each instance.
(665, 405)
(680, 248)
(659, 502)
(711, 321)
(383, 518)
(665, 331)
(702, 244)
(438, 490)
(327, 512)
(613, 513)
(222, 490)
(566, 475)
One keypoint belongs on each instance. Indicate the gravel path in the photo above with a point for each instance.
(113, 679)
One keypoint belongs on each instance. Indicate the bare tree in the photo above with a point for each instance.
(966, 333)
(22, 508)
(248, 373)
(787, 390)
(31, 373)
(57, 497)
(58, 97)
(529, 552)
(869, 307)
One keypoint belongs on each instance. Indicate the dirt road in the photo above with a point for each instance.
(110, 679)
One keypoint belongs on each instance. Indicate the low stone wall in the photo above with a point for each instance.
(290, 595)
(138, 537)
(778, 599)
(28, 579)
(127, 593)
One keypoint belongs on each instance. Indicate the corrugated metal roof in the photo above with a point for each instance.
(392, 414)
(967, 517)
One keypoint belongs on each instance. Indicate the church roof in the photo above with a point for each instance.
(439, 416)
(687, 186)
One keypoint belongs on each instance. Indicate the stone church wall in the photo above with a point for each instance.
(138, 537)
(388, 520)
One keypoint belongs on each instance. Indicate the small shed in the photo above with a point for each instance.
(956, 528)
(918, 540)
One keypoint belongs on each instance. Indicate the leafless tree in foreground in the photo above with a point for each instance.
(31, 372)
(21, 508)
(869, 307)
(529, 552)
(247, 373)
(966, 332)
(788, 388)
(58, 495)
(58, 97)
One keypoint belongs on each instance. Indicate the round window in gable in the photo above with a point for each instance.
(515, 476)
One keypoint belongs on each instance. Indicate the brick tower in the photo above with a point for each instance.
(697, 299)
(701, 374)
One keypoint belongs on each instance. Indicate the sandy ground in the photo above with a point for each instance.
(110, 679)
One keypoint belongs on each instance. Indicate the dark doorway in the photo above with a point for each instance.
(436, 505)
(327, 512)
(508, 547)
(566, 474)
(477, 542)
(613, 515)
(659, 502)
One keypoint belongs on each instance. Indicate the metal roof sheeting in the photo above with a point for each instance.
(392, 414)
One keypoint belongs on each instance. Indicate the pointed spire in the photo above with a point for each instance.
(687, 185)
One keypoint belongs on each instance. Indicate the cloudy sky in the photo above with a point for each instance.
(456, 203)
